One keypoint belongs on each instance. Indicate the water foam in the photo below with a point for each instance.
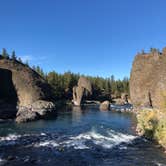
(87, 139)
(2, 161)
(109, 140)
(10, 137)
(47, 143)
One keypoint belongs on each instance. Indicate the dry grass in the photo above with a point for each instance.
(152, 124)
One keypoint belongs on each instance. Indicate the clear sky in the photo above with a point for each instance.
(94, 37)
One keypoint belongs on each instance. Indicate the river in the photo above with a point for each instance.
(78, 137)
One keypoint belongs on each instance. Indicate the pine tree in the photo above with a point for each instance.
(13, 57)
(5, 54)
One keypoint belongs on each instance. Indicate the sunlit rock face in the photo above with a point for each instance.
(148, 80)
(78, 91)
(29, 87)
(105, 106)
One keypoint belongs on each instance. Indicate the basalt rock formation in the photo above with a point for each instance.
(24, 89)
(78, 91)
(148, 80)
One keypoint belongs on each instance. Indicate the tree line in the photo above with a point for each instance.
(103, 88)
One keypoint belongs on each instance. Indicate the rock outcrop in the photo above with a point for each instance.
(105, 106)
(78, 91)
(148, 80)
(31, 94)
(124, 98)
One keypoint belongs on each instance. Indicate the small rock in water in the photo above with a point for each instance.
(10, 158)
(105, 106)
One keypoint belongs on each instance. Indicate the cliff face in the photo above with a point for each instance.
(148, 80)
(29, 87)
(28, 84)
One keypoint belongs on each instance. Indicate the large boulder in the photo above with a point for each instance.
(38, 110)
(31, 93)
(105, 106)
(78, 91)
(148, 80)
(24, 115)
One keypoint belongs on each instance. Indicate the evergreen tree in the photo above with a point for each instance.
(13, 57)
(5, 54)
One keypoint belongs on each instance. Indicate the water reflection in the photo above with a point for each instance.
(77, 113)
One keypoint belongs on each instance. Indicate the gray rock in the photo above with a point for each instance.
(24, 115)
(43, 108)
(39, 109)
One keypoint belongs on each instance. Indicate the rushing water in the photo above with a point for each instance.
(77, 137)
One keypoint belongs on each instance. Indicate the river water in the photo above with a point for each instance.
(78, 137)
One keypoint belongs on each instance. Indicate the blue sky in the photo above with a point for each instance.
(94, 37)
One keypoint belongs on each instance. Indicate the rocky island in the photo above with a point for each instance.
(84, 86)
